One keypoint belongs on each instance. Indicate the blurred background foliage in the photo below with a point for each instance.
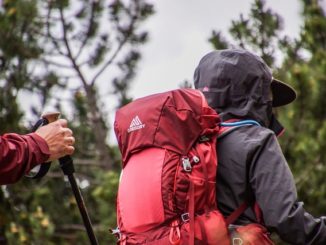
(61, 49)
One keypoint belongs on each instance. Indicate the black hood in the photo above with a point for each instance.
(236, 84)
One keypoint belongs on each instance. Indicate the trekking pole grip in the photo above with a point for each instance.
(41, 170)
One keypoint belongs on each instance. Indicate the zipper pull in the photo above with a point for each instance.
(195, 159)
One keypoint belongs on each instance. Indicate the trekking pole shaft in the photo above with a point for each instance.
(67, 166)
(82, 209)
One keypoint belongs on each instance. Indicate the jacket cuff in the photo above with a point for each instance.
(40, 149)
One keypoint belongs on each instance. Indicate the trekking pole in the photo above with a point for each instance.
(66, 164)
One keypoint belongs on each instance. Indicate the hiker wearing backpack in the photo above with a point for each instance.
(167, 189)
(252, 171)
(204, 166)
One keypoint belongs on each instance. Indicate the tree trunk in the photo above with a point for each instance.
(99, 128)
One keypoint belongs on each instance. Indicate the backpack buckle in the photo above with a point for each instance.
(186, 164)
(116, 232)
(185, 217)
(204, 138)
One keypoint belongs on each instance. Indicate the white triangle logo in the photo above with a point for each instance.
(135, 124)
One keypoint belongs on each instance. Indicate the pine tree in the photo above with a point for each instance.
(18, 46)
(305, 143)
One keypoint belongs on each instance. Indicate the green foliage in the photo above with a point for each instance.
(39, 223)
(17, 26)
(305, 141)
(258, 32)
(104, 197)
(18, 46)
(218, 41)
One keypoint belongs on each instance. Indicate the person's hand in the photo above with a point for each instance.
(58, 137)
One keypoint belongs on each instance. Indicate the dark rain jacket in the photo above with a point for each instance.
(19, 154)
(251, 163)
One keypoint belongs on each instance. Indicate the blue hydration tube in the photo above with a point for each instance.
(239, 123)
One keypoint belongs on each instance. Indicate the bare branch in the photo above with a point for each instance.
(51, 62)
(120, 46)
(52, 38)
(75, 227)
(89, 162)
(69, 52)
(109, 61)
(90, 26)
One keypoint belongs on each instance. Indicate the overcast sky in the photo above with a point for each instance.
(178, 38)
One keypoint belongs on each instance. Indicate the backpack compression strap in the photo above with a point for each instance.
(243, 207)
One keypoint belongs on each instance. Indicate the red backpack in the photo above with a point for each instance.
(167, 186)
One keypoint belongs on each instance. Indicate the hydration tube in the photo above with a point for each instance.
(239, 123)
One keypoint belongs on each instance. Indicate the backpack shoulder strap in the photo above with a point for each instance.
(236, 213)
(227, 127)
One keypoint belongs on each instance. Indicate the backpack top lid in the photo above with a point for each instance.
(173, 120)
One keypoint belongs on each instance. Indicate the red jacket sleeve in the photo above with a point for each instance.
(19, 154)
